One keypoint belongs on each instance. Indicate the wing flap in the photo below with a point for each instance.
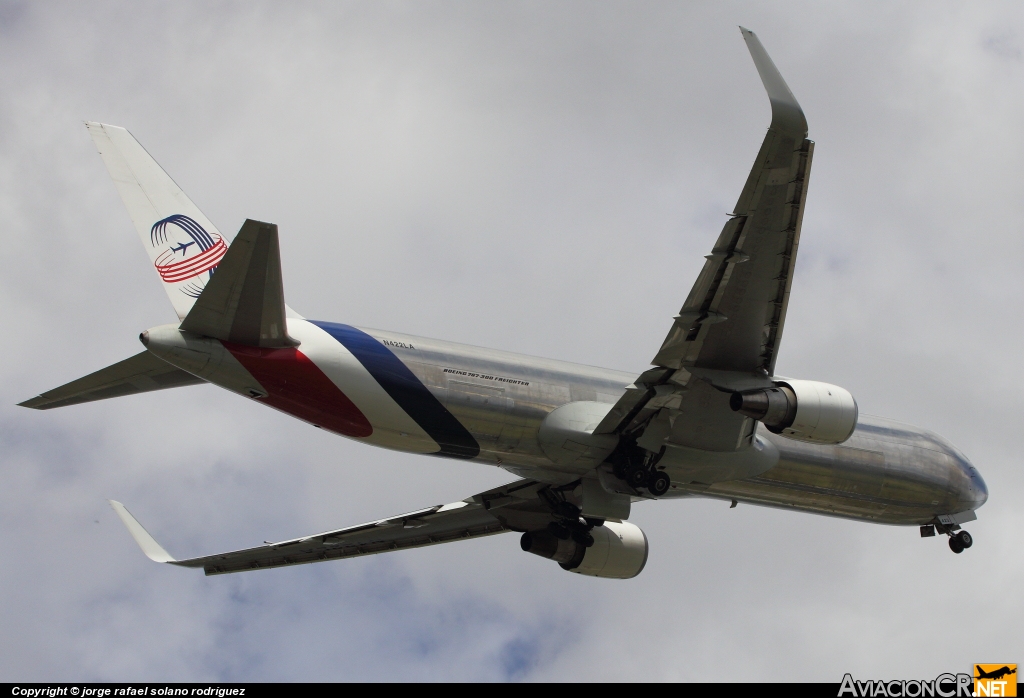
(472, 521)
(140, 374)
(635, 404)
(732, 319)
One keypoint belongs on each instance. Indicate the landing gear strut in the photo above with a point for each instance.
(635, 476)
(579, 532)
(959, 540)
(570, 523)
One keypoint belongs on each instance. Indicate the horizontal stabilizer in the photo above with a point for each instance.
(244, 301)
(149, 546)
(140, 374)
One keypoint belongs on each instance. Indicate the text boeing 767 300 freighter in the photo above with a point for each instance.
(709, 419)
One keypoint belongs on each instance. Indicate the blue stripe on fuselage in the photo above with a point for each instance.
(407, 390)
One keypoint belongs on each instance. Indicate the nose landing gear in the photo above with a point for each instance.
(959, 540)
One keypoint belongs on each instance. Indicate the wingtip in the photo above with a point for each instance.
(787, 114)
(101, 125)
(149, 546)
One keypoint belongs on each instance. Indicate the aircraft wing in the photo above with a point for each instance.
(139, 374)
(515, 506)
(726, 335)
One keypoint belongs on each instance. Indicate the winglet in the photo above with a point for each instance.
(149, 546)
(787, 115)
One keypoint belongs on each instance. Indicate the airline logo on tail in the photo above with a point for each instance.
(189, 251)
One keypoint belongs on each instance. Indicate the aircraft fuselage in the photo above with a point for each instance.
(434, 397)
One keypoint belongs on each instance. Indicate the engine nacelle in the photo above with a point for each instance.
(619, 550)
(802, 410)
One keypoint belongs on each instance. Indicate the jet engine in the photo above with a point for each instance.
(619, 550)
(803, 410)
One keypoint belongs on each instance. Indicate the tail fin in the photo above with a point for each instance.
(184, 246)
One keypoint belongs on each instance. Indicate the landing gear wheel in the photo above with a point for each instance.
(636, 477)
(659, 483)
(965, 539)
(955, 545)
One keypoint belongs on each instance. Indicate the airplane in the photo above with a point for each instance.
(996, 674)
(181, 247)
(710, 418)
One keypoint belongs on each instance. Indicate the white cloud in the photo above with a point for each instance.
(540, 178)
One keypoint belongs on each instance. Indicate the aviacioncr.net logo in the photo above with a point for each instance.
(995, 680)
(942, 686)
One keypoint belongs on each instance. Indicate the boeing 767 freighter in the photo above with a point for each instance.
(710, 418)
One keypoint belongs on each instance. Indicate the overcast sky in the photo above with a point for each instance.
(539, 177)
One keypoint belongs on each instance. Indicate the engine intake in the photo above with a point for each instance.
(802, 410)
(619, 550)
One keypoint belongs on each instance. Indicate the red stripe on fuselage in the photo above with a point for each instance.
(297, 386)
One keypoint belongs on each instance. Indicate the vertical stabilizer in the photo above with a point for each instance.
(183, 245)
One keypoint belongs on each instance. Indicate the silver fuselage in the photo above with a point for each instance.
(886, 472)
(420, 395)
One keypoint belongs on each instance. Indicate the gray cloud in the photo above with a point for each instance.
(536, 177)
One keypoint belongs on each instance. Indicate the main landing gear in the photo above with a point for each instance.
(959, 540)
(641, 471)
(636, 476)
(570, 524)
